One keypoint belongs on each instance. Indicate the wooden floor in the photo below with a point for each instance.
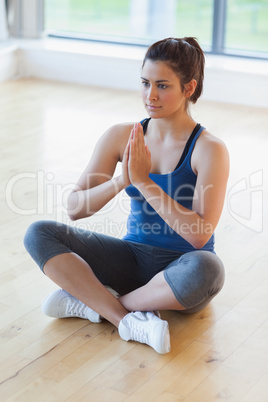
(48, 131)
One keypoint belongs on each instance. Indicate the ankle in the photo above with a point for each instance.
(115, 315)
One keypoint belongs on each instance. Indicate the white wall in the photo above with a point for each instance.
(9, 68)
(227, 79)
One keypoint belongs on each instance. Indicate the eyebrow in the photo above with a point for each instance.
(158, 81)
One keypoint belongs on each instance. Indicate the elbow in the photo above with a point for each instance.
(72, 207)
(200, 234)
(72, 217)
(74, 214)
(71, 214)
(199, 241)
(198, 244)
(76, 207)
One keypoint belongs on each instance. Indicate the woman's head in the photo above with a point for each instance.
(184, 56)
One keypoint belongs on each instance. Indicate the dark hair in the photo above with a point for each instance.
(184, 56)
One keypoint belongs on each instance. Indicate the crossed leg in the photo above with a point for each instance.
(67, 254)
(84, 285)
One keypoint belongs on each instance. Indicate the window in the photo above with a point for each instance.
(96, 18)
(247, 26)
(222, 26)
(132, 21)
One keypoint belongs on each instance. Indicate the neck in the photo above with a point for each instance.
(179, 127)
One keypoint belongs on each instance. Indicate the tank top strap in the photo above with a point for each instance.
(190, 144)
(195, 138)
(144, 124)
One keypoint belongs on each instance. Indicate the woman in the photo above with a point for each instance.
(175, 172)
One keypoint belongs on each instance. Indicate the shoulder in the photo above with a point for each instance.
(210, 142)
(115, 138)
(209, 150)
(117, 131)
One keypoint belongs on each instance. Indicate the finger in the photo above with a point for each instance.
(135, 131)
(131, 153)
(140, 132)
(131, 145)
(139, 128)
(131, 136)
(127, 149)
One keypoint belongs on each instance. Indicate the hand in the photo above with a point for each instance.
(125, 176)
(139, 160)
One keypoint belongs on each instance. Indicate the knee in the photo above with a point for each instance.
(196, 278)
(214, 271)
(208, 268)
(34, 234)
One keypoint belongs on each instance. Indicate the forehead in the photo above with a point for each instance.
(158, 70)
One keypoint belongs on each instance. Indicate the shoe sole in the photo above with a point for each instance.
(165, 345)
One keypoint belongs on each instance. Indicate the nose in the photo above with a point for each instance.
(152, 94)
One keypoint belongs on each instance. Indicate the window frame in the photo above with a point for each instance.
(218, 35)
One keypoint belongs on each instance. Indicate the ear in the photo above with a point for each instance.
(190, 88)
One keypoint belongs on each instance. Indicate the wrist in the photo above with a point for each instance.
(143, 184)
(120, 183)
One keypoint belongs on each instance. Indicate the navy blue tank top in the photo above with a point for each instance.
(144, 225)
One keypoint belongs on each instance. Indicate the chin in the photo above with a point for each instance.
(156, 114)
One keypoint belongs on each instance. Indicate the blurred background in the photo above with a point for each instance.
(75, 41)
(228, 27)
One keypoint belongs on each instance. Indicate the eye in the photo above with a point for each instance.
(145, 83)
(162, 86)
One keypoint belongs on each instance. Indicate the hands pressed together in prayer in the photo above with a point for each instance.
(136, 163)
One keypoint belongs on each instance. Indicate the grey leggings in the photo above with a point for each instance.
(194, 277)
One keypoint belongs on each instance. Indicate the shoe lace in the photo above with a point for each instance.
(76, 309)
(139, 334)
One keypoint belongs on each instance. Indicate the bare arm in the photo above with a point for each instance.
(211, 162)
(97, 186)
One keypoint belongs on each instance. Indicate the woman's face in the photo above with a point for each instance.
(161, 90)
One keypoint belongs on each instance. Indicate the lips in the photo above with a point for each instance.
(153, 107)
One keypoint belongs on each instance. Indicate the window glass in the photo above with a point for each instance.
(136, 21)
(145, 21)
(195, 18)
(247, 25)
(103, 17)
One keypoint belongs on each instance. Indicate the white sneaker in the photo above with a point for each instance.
(60, 304)
(146, 327)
